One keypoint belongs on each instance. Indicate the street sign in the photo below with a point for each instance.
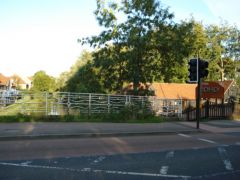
(212, 90)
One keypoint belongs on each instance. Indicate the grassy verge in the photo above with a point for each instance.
(114, 118)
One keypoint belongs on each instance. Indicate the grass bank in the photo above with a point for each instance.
(113, 118)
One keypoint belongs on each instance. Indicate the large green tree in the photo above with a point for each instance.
(43, 82)
(223, 51)
(63, 80)
(144, 45)
(83, 76)
(140, 42)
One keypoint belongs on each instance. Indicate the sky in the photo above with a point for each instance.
(42, 34)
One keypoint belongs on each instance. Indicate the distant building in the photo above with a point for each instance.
(174, 90)
(4, 82)
(184, 92)
(21, 82)
(15, 82)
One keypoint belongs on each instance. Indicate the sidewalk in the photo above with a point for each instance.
(216, 126)
(14, 131)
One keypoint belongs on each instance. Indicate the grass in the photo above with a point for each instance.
(15, 108)
(113, 118)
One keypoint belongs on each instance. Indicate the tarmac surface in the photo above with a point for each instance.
(10, 131)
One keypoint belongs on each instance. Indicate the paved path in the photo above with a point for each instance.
(217, 126)
(21, 130)
(54, 129)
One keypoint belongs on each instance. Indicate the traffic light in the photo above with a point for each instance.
(203, 68)
(193, 70)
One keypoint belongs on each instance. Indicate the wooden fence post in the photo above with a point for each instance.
(207, 109)
(188, 112)
(223, 109)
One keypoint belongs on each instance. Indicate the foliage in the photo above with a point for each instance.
(140, 43)
(144, 47)
(62, 81)
(43, 82)
(85, 80)
(82, 77)
(222, 51)
(112, 117)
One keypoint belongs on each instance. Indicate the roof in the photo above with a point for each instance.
(182, 91)
(174, 90)
(21, 79)
(3, 79)
(226, 84)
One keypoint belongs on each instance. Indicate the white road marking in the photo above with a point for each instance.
(35, 166)
(97, 171)
(164, 170)
(26, 163)
(184, 135)
(99, 159)
(206, 140)
(224, 157)
(170, 154)
(228, 164)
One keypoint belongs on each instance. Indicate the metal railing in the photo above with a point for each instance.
(63, 103)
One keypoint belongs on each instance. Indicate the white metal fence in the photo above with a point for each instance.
(62, 103)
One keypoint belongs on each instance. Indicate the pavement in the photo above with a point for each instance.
(33, 130)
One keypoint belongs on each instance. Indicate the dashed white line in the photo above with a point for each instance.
(184, 135)
(227, 163)
(164, 170)
(97, 171)
(206, 140)
(26, 163)
(99, 159)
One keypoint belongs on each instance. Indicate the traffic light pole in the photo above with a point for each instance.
(198, 98)
(197, 71)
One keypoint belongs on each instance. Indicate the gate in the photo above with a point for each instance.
(213, 111)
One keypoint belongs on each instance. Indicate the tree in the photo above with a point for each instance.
(82, 77)
(43, 82)
(144, 47)
(223, 51)
(62, 81)
(85, 80)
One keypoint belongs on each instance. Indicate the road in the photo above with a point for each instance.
(175, 156)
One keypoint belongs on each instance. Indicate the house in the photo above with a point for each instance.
(187, 92)
(21, 82)
(173, 92)
(15, 81)
(230, 89)
(4, 82)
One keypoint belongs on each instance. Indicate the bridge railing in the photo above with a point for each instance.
(63, 103)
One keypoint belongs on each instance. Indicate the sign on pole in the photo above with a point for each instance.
(212, 90)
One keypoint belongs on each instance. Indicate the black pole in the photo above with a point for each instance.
(198, 98)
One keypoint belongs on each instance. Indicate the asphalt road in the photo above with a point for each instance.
(179, 156)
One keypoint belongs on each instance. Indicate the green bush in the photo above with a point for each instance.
(124, 116)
